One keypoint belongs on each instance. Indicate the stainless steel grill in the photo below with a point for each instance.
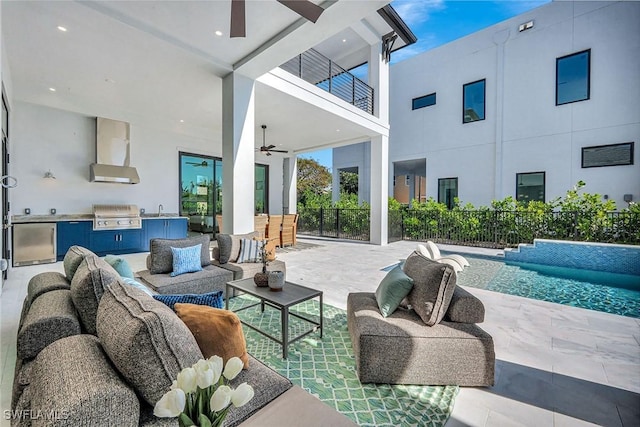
(116, 217)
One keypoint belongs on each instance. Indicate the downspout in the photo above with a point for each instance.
(499, 39)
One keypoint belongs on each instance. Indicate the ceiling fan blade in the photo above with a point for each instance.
(269, 147)
(237, 19)
(304, 8)
(279, 151)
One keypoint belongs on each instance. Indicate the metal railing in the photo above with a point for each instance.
(484, 228)
(350, 224)
(322, 72)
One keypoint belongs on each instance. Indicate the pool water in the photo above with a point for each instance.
(608, 292)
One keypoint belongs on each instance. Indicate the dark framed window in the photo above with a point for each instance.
(573, 77)
(447, 191)
(262, 188)
(473, 101)
(607, 155)
(423, 101)
(530, 186)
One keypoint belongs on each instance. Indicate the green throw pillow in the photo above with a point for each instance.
(392, 290)
(120, 265)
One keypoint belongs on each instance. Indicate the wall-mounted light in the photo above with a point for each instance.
(526, 26)
(49, 175)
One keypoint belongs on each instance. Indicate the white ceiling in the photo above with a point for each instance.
(161, 61)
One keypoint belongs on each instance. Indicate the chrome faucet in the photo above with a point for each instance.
(160, 208)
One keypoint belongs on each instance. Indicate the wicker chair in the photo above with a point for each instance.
(260, 225)
(273, 229)
(288, 233)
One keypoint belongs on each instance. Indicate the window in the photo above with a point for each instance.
(447, 191)
(407, 180)
(573, 77)
(607, 155)
(530, 186)
(423, 101)
(262, 189)
(473, 95)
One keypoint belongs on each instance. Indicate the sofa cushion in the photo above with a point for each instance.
(217, 331)
(464, 308)
(92, 277)
(236, 240)
(22, 379)
(74, 377)
(433, 285)
(73, 258)
(211, 278)
(212, 299)
(250, 251)
(51, 317)
(395, 286)
(120, 265)
(186, 260)
(144, 339)
(249, 269)
(224, 248)
(161, 258)
(44, 282)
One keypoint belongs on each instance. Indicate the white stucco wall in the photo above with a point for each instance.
(524, 131)
(349, 156)
(49, 139)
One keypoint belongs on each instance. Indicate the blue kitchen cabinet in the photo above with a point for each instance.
(71, 233)
(163, 228)
(105, 242)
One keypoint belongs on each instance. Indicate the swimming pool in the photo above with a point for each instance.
(608, 292)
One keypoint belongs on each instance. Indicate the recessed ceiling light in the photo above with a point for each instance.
(63, 29)
(218, 33)
(337, 130)
(344, 40)
(181, 121)
(52, 89)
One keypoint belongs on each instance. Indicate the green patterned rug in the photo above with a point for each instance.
(326, 368)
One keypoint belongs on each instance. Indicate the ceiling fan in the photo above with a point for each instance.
(304, 8)
(268, 149)
(203, 164)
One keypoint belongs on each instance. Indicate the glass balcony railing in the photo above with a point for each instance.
(319, 70)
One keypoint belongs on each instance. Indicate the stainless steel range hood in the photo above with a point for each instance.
(112, 154)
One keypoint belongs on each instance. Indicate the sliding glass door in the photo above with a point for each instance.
(201, 191)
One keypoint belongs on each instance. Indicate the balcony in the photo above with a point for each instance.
(322, 72)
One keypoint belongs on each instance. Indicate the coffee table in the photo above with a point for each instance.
(290, 295)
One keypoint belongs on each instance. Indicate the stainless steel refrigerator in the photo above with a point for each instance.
(34, 243)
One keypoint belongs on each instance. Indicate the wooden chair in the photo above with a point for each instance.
(219, 222)
(273, 229)
(260, 225)
(287, 234)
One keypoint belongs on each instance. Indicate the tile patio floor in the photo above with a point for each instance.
(556, 365)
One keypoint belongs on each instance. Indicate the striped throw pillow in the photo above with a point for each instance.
(250, 251)
(186, 260)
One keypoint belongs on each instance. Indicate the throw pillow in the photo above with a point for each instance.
(72, 259)
(144, 340)
(433, 286)
(186, 260)
(224, 246)
(134, 283)
(216, 331)
(120, 265)
(213, 299)
(235, 244)
(250, 251)
(395, 286)
(160, 259)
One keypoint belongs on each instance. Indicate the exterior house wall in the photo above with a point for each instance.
(524, 131)
(355, 155)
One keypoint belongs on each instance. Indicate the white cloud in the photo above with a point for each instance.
(416, 12)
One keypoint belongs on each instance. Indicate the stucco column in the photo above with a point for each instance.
(379, 81)
(379, 173)
(238, 135)
(290, 185)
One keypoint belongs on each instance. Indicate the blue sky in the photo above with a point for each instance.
(436, 22)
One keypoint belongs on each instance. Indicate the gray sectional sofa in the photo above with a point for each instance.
(94, 351)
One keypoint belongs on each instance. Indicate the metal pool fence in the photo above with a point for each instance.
(485, 228)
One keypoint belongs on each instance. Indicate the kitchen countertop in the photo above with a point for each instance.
(17, 219)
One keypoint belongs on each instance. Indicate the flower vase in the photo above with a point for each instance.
(261, 279)
(276, 281)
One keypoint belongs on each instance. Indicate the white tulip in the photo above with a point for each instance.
(221, 398)
(204, 378)
(233, 368)
(174, 385)
(215, 362)
(242, 395)
(170, 405)
(187, 380)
